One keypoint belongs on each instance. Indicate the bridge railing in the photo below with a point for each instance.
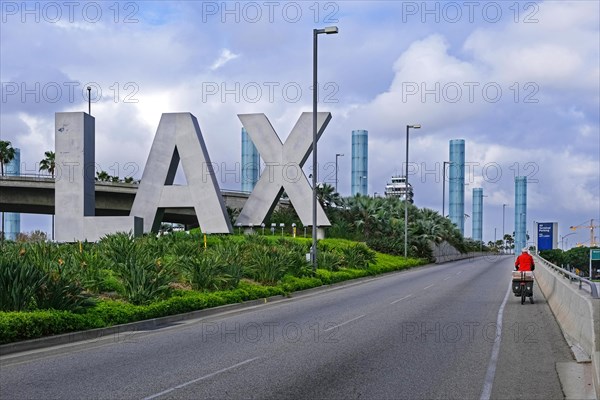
(572, 277)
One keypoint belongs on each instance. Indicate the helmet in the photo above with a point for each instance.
(525, 250)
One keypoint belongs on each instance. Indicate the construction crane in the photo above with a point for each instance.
(591, 227)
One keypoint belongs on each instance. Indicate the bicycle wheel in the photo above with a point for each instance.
(523, 294)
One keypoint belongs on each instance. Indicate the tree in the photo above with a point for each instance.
(327, 195)
(103, 176)
(48, 163)
(7, 154)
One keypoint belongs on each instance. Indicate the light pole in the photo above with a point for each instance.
(503, 241)
(89, 89)
(444, 187)
(316, 32)
(562, 240)
(336, 170)
(406, 187)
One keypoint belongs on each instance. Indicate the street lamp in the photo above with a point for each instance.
(503, 241)
(336, 170)
(562, 240)
(406, 198)
(444, 187)
(316, 32)
(89, 89)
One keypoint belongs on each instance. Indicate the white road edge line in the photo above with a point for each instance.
(427, 287)
(403, 298)
(344, 323)
(491, 369)
(201, 378)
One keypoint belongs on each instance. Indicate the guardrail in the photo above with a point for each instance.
(572, 277)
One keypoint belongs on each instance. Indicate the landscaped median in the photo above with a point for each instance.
(122, 280)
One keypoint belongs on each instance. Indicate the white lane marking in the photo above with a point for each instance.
(491, 369)
(446, 278)
(344, 323)
(201, 378)
(403, 298)
(427, 287)
(459, 272)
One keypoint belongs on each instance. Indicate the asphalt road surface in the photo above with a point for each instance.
(447, 331)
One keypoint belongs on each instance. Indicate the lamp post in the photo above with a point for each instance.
(562, 240)
(336, 170)
(406, 198)
(444, 187)
(89, 89)
(503, 241)
(316, 32)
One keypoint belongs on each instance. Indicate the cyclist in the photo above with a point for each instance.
(524, 262)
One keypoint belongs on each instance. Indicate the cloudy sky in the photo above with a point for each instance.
(519, 81)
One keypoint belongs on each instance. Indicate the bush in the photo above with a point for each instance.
(19, 285)
(358, 256)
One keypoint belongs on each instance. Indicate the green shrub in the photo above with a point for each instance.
(268, 265)
(19, 284)
(358, 256)
(144, 278)
(204, 271)
(330, 261)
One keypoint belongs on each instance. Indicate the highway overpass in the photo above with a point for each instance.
(35, 195)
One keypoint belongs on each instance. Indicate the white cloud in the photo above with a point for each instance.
(225, 56)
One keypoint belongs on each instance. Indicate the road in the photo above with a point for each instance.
(426, 333)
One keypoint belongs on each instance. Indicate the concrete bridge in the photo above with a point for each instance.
(35, 195)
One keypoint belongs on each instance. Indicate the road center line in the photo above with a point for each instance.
(491, 369)
(400, 299)
(459, 272)
(446, 278)
(343, 323)
(201, 378)
(427, 287)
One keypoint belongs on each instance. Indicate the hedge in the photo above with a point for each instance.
(16, 326)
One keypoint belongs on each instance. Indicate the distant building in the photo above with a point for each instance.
(360, 162)
(399, 188)
(520, 213)
(12, 221)
(457, 184)
(477, 214)
(250, 163)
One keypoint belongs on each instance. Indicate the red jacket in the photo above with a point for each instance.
(524, 262)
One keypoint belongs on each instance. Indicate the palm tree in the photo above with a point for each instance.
(327, 195)
(103, 176)
(7, 154)
(49, 164)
